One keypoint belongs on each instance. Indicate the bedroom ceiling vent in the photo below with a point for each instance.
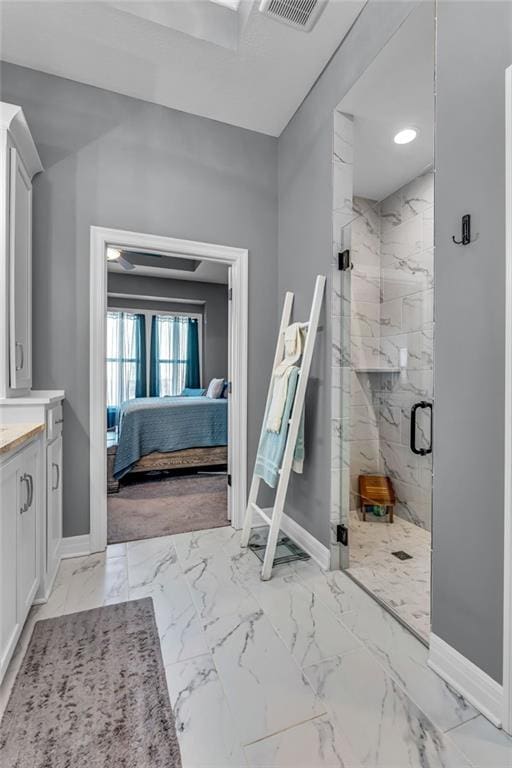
(299, 14)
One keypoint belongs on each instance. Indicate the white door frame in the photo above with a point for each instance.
(237, 259)
(507, 570)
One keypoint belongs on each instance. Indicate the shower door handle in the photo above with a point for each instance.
(417, 406)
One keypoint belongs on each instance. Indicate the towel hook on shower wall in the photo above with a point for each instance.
(466, 231)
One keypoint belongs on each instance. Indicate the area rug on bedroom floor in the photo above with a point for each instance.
(160, 507)
(92, 692)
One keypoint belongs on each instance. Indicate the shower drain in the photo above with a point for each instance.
(402, 555)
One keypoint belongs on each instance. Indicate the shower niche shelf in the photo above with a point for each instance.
(377, 370)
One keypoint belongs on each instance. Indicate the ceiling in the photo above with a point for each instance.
(168, 267)
(242, 68)
(395, 92)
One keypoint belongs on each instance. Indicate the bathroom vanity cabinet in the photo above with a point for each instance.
(21, 530)
(19, 162)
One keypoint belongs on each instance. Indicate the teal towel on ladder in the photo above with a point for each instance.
(272, 444)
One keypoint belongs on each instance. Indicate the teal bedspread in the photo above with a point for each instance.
(166, 424)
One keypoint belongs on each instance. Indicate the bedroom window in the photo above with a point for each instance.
(174, 355)
(126, 360)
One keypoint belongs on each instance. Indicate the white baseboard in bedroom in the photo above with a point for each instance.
(304, 539)
(484, 693)
(75, 546)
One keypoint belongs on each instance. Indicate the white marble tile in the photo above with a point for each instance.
(342, 191)
(428, 227)
(96, 580)
(206, 730)
(179, 627)
(217, 587)
(116, 550)
(418, 310)
(151, 560)
(418, 195)
(400, 463)
(366, 320)
(308, 629)
(363, 423)
(343, 138)
(336, 591)
(192, 546)
(405, 659)
(365, 286)
(340, 445)
(264, 686)
(391, 317)
(484, 745)
(384, 727)
(364, 459)
(403, 585)
(390, 423)
(315, 744)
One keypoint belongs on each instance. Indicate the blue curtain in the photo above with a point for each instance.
(140, 354)
(112, 416)
(154, 374)
(192, 378)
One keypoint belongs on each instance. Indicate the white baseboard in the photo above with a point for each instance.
(304, 539)
(75, 546)
(484, 693)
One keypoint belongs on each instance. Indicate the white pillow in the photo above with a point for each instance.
(215, 388)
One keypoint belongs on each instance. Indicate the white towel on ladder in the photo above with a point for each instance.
(293, 343)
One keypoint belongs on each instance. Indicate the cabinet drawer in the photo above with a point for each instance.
(55, 421)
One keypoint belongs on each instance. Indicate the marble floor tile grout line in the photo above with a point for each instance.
(459, 725)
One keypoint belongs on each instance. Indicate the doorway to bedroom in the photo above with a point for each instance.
(168, 366)
(167, 395)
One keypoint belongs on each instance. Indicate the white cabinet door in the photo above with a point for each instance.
(54, 505)
(9, 513)
(28, 499)
(20, 268)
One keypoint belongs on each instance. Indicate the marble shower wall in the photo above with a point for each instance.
(342, 215)
(383, 305)
(364, 342)
(392, 310)
(407, 322)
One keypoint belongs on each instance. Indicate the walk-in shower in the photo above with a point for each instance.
(383, 198)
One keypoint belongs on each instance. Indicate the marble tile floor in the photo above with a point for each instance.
(404, 585)
(305, 670)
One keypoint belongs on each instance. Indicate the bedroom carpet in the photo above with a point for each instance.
(151, 507)
(91, 693)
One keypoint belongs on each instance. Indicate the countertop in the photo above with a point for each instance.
(14, 435)
(36, 397)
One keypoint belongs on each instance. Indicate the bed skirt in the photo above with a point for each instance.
(187, 458)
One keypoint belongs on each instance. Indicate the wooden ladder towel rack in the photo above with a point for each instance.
(276, 513)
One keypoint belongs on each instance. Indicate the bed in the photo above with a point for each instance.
(157, 433)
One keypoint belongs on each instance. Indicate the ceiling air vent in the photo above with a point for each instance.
(300, 14)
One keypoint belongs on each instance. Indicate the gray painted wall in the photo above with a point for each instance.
(474, 48)
(214, 311)
(305, 240)
(117, 162)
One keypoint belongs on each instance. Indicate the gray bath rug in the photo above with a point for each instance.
(92, 693)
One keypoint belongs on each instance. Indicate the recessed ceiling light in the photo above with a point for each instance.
(405, 136)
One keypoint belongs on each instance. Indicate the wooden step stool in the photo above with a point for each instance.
(376, 491)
